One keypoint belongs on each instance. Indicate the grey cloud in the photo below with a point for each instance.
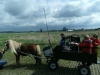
(50, 27)
(71, 11)
(18, 28)
(29, 15)
(14, 8)
(64, 12)
(95, 7)
(38, 13)
(79, 10)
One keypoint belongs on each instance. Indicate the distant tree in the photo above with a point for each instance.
(40, 30)
(82, 29)
(73, 29)
(98, 28)
(64, 29)
(30, 31)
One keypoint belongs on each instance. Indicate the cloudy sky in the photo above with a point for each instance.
(23, 15)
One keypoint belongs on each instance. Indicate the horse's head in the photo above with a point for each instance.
(6, 45)
(12, 45)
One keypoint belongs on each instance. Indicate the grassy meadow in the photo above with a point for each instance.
(27, 66)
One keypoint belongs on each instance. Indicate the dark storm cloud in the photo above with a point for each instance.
(19, 28)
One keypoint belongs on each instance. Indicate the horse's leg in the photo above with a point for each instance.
(39, 59)
(17, 59)
(36, 60)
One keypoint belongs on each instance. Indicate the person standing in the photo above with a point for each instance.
(2, 62)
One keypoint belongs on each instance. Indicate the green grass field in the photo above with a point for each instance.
(27, 66)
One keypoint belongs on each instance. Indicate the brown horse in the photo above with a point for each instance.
(24, 50)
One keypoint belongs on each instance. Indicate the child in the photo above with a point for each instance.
(62, 41)
(86, 44)
(95, 42)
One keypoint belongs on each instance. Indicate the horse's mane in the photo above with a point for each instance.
(13, 45)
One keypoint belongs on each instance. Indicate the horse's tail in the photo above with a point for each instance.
(38, 50)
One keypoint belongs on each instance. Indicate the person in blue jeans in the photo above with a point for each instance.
(2, 62)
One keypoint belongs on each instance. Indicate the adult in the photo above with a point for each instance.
(2, 62)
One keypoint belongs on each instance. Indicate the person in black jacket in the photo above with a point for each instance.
(62, 41)
(2, 62)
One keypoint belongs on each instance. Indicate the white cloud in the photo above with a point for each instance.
(69, 13)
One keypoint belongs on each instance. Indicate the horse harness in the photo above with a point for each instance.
(24, 53)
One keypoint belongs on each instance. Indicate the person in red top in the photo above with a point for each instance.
(86, 44)
(95, 43)
(86, 47)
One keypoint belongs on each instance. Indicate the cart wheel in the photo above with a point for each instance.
(84, 70)
(53, 65)
(88, 64)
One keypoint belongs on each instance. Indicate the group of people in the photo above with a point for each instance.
(88, 44)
